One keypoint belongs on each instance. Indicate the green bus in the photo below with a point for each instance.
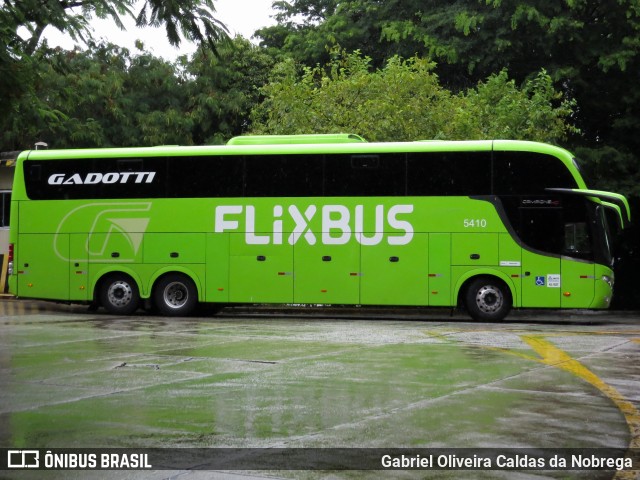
(312, 219)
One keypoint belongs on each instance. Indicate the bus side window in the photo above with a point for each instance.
(449, 173)
(528, 173)
(381, 175)
(202, 177)
(541, 229)
(130, 165)
(577, 241)
(283, 176)
(6, 208)
(578, 235)
(365, 161)
(35, 173)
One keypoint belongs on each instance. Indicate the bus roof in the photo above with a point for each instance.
(329, 144)
(301, 148)
(296, 139)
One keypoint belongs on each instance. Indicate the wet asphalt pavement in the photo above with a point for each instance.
(313, 378)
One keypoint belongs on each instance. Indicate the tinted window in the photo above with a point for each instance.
(6, 209)
(527, 173)
(201, 177)
(541, 228)
(559, 225)
(449, 173)
(95, 178)
(365, 175)
(283, 176)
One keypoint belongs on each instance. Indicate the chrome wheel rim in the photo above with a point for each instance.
(120, 294)
(489, 299)
(175, 295)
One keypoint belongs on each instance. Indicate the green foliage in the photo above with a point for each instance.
(111, 97)
(404, 100)
(222, 90)
(22, 75)
(191, 19)
(497, 108)
(611, 169)
(590, 49)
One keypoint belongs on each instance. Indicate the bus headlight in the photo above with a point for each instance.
(608, 280)
(10, 268)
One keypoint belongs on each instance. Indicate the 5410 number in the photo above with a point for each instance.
(475, 223)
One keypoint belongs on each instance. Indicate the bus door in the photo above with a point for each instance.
(541, 280)
(577, 283)
(541, 232)
(42, 266)
(578, 269)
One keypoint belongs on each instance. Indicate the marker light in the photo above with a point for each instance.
(608, 280)
(10, 260)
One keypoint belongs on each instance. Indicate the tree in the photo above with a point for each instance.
(109, 96)
(308, 29)
(101, 98)
(590, 48)
(223, 89)
(405, 101)
(189, 19)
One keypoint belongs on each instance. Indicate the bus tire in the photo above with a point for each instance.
(175, 295)
(119, 294)
(488, 299)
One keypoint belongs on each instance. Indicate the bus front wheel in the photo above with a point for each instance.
(488, 299)
(175, 295)
(119, 294)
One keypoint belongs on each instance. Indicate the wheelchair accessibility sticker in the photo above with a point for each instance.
(551, 281)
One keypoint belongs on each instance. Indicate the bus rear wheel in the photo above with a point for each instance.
(175, 295)
(119, 294)
(488, 299)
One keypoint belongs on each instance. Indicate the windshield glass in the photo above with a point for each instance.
(605, 235)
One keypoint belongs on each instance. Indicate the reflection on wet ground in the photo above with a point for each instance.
(72, 378)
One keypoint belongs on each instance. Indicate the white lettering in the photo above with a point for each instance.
(379, 227)
(302, 225)
(400, 224)
(56, 179)
(222, 224)
(95, 178)
(341, 224)
(124, 176)
(277, 225)
(110, 177)
(249, 235)
(338, 223)
(406, 462)
(73, 179)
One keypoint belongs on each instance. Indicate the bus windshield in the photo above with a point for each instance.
(605, 235)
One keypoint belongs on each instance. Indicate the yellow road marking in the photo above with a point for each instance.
(555, 357)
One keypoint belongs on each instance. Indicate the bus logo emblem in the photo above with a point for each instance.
(109, 221)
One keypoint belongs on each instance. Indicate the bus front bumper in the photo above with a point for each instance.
(603, 289)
